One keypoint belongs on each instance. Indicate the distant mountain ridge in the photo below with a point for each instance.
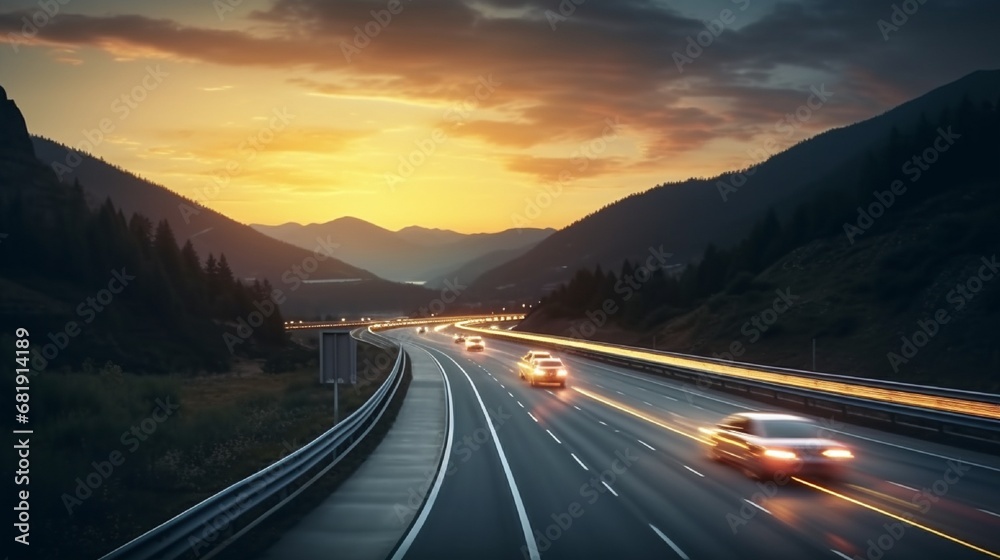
(412, 254)
(686, 217)
(252, 255)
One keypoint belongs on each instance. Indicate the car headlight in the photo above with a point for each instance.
(562, 373)
(779, 454)
(539, 372)
(838, 453)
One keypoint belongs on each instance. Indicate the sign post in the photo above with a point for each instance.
(338, 362)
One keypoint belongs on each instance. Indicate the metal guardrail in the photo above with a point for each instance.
(184, 534)
(976, 428)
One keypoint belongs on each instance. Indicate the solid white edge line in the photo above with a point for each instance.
(694, 471)
(610, 489)
(896, 445)
(841, 554)
(646, 444)
(902, 486)
(518, 504)
(579, 461)
(988, 512)
(669, 542)
(411, 535)
(554, 437)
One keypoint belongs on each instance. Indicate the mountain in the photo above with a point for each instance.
(685, 218)
(469, 271)
(412, 254)
(429, 236)
(91, 285)
(890, 270)
(251, 254)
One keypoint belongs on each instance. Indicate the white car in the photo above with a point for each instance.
(765, 445)
(474, 344)
(543, 371)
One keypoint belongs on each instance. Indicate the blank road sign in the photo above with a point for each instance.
(338, 357)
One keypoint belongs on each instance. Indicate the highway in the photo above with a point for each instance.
(613, 466)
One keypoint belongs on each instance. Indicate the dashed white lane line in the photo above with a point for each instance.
(694, 471)
(647, 403)
(511, 394)
(758, 506)
(550, 392)
(502, 385)
(698, 407)
(579, 462)
(578, 408)
(601, 422)
(669, 397)
(610, 489)
(620, 393)
(839, 553)
(669, 542)
(554, 437)
(646, 444)
(519, 404)
(902, 486)
(533, 417)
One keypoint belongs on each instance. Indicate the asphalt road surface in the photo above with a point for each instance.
(612, 467)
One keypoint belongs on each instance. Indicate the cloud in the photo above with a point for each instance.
(606, 59)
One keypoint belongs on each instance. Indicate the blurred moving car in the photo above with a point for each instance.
(421, 330)
(459, 339)
(474, 344)
(765, 444)
(543, 370)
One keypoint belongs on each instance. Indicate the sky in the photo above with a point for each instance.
(471, 115)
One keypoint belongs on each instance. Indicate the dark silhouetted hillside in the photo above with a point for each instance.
(686, 217)
(891, 266)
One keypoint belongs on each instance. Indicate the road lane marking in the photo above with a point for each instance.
(519, 404)
(602, 422)
(897, 517)
(411, 535)
(669, 542)
(665, 385)
(610, 489)
(671, 398)
(579, 462)
(758, 506)
(554, 437)
(694, 471)
(988, 512)
(646, 444)
(522, 515)
(533, 417)
(638, 414)
(841, 554)
(620, 393)
(578, 408)
(902, 486)
(939, 456)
